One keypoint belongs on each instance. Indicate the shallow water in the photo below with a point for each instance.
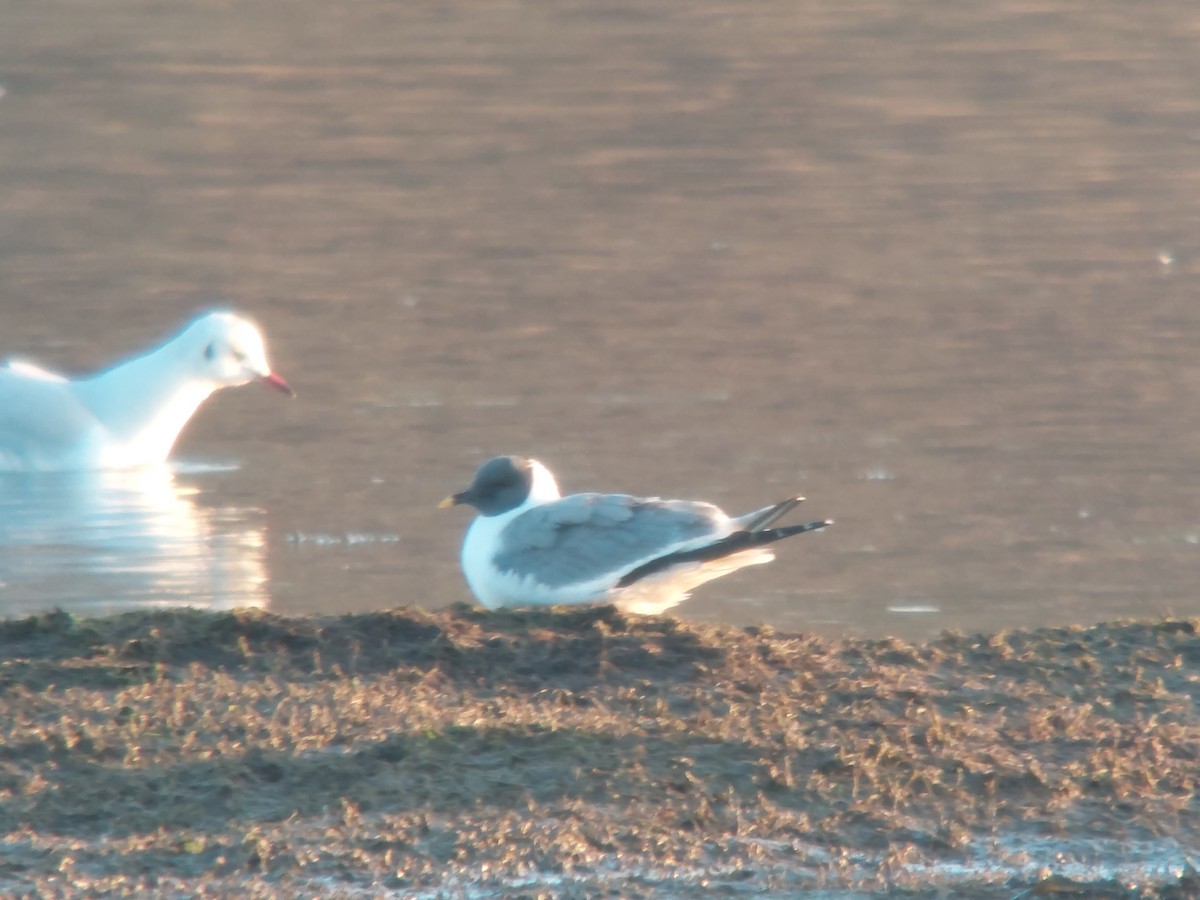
(101, 543)
(1006, 860)
(934, 268)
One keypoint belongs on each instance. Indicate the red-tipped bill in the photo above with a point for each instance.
(277, 382)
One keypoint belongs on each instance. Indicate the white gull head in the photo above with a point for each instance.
(132, 413)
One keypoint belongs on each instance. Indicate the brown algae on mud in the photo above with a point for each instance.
(576, 752)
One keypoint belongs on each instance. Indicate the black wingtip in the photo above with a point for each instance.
(771, 535)
(773, 514)
(734, 543)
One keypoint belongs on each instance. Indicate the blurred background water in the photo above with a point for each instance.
(932, 265)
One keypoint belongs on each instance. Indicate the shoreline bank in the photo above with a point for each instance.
(563, 752)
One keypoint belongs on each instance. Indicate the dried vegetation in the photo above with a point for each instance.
(578, 753)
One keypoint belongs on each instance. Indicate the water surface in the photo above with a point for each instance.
(100, 543)
(933, 267)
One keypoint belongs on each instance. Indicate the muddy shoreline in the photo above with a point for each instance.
(583, 753)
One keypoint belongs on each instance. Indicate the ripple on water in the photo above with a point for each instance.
(914, 609)
(347, 539)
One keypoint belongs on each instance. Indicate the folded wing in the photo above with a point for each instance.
(589, 537)
(40, 416)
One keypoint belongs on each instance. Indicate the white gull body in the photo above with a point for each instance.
(530, 546)
(130, 414)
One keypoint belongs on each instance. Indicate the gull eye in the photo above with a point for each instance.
(210, 351)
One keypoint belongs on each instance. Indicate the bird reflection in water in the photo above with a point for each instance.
(103, 542)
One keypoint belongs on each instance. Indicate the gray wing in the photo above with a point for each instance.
(38, 409)
(584, 537)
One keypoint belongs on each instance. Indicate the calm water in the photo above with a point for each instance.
(934, 267)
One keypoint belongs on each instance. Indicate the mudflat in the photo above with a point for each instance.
(585, 753)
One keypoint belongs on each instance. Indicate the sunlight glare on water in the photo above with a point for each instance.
(106, 542)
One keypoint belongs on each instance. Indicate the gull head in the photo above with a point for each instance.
(505, 483)
(228, 351)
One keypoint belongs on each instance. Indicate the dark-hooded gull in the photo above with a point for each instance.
(530, 546)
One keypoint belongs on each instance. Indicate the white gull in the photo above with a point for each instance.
(530, 546)
(131, 414)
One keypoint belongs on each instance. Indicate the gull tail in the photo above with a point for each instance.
(770, 535)
(737, 542)
(761, 518)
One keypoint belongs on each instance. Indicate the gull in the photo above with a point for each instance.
(530, 546)
(130, 414)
